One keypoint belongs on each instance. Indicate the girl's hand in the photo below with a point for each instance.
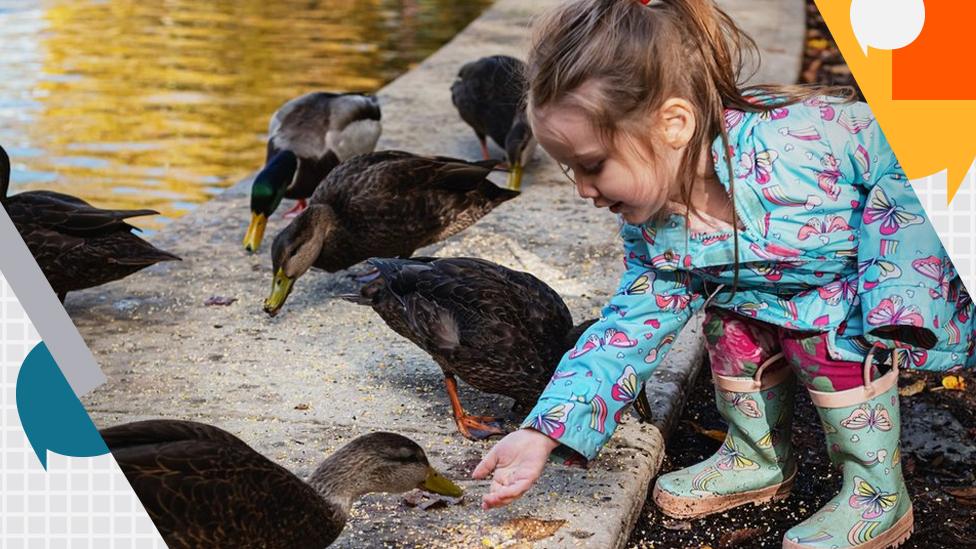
(517, 460)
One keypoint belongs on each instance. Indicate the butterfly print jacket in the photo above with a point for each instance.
(834, 240)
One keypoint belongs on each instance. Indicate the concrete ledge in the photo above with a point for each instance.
(298, 386)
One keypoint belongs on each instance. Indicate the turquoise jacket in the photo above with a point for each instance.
(834, 241)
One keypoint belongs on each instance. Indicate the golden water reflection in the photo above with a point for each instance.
(129, 103)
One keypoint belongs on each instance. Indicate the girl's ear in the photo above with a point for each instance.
(677, 122)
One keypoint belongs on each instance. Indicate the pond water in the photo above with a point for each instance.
(135, 104)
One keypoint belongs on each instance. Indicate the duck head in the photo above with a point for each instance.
(266, 193)
(295, 250)
(519, 146)
(378, 462)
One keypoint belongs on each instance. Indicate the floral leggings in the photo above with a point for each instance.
(738, 345)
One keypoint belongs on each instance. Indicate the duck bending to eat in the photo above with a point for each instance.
(77, 245)
(204, 487)
(383, 204)
(489, 95)
(502, 331)
(307, 138)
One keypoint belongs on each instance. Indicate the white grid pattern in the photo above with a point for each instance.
(955, 222)
(78, 502)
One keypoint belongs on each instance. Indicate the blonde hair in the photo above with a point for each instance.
(639, 56)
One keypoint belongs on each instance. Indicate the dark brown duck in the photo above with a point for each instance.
(204, 487)
(489, 95)
(77, 245)
(384, 204)
(501, 331)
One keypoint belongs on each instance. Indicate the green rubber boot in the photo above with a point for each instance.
(755, 463)
(872, 510)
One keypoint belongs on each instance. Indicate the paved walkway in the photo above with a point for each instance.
(298, 386)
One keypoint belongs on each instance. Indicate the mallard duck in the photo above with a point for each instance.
(77, 245)
(383, 204)
(204, 487)
(488, 94)
(308, 137)
(502, 331)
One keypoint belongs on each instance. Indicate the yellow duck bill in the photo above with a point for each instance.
(255, 232)
(280, 288)
(439, 484)
(515, 178)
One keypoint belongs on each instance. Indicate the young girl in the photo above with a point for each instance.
(779, 211)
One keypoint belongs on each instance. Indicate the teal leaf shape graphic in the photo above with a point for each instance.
(52, 416)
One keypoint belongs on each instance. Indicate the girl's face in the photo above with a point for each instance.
(619, 175)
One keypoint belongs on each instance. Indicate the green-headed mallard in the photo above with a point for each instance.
(383, 204)
(489, 95)
(204, 487)
(502, 331)
(307, 138)
(76, 244)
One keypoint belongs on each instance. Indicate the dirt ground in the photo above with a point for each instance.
(939, 433)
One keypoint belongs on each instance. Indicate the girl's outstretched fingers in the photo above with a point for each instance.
(517, 461)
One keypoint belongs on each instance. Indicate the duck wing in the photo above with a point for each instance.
(68, 214)
(204, 487)
(397, 202)
(488, 93)
(492, 326)
(77, 245)
(313, 124)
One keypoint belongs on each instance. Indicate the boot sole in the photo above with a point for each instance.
(892, 537)
(680, 507)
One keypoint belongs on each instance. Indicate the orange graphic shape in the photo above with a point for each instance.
(939, 63)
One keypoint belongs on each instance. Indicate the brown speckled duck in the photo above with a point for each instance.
(383, 204)
(77, 245)
(488, 94)
(307, 138)
(204, 487)
(502, 331)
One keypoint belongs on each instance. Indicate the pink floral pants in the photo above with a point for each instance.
(738, 345)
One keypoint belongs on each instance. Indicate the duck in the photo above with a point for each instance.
(489, 95)
(500, 330)
(204, 487)
(382, 204)
(77, 245)
(307, 138)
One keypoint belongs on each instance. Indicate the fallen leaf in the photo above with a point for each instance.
(737, 537)
(913, 389)
(710, 433)
(532, 529)
(427, 500)
(954, 383)
(219, 300)
(680, 525)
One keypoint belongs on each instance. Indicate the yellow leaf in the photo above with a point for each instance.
(710, 433)
(954, 383)
(913, 389)
(818, 43)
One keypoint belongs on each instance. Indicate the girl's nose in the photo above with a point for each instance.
(585, 188)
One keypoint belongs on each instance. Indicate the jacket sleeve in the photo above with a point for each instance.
(904, 272)
(612, 360)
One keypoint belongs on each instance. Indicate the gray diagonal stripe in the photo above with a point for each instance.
(46, 312)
